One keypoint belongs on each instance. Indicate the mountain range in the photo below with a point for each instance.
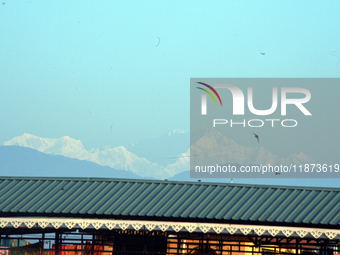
(161, 158)
(116, 157)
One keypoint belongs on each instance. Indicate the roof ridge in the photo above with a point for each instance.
(167, 182)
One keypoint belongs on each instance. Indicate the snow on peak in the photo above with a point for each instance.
(176, 131)
(27, 140)
(28, 136)
(65, 145)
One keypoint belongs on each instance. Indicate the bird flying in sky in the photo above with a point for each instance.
(257, 137)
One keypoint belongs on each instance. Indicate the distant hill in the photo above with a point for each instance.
(22, 161)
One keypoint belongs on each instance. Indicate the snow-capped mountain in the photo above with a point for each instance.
(214, 148)
(118, 157)
(65, 146)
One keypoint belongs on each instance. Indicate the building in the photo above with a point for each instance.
(116, 216)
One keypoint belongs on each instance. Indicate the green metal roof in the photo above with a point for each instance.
(169, 200)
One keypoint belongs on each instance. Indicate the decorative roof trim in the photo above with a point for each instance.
(259, 230)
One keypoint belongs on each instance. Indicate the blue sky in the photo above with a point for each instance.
(77, 68)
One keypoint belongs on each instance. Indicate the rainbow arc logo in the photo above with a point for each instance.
(209, 93)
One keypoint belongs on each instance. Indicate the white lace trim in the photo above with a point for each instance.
(169, 226)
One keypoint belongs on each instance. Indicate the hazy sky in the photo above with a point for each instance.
(78, 68)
